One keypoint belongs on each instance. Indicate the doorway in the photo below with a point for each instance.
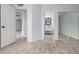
(49, 25)
(18, 23)
(21, 24)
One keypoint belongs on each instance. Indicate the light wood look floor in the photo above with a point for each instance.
(47, 46)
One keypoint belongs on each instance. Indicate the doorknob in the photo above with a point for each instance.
(3, 26)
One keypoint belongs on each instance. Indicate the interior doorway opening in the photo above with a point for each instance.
(21, 23)
(48, 25)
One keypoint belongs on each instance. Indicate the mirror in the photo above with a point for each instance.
(48, 21)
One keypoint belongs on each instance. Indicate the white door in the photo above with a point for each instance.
(8, 25)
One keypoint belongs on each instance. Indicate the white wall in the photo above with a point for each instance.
(24, 23)
(0, 25)
(59, 24)
(78, 26)
(36, 22)
(60, 15)
(69, 25)
(56, 26)
(29, 23)
(60, 7)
